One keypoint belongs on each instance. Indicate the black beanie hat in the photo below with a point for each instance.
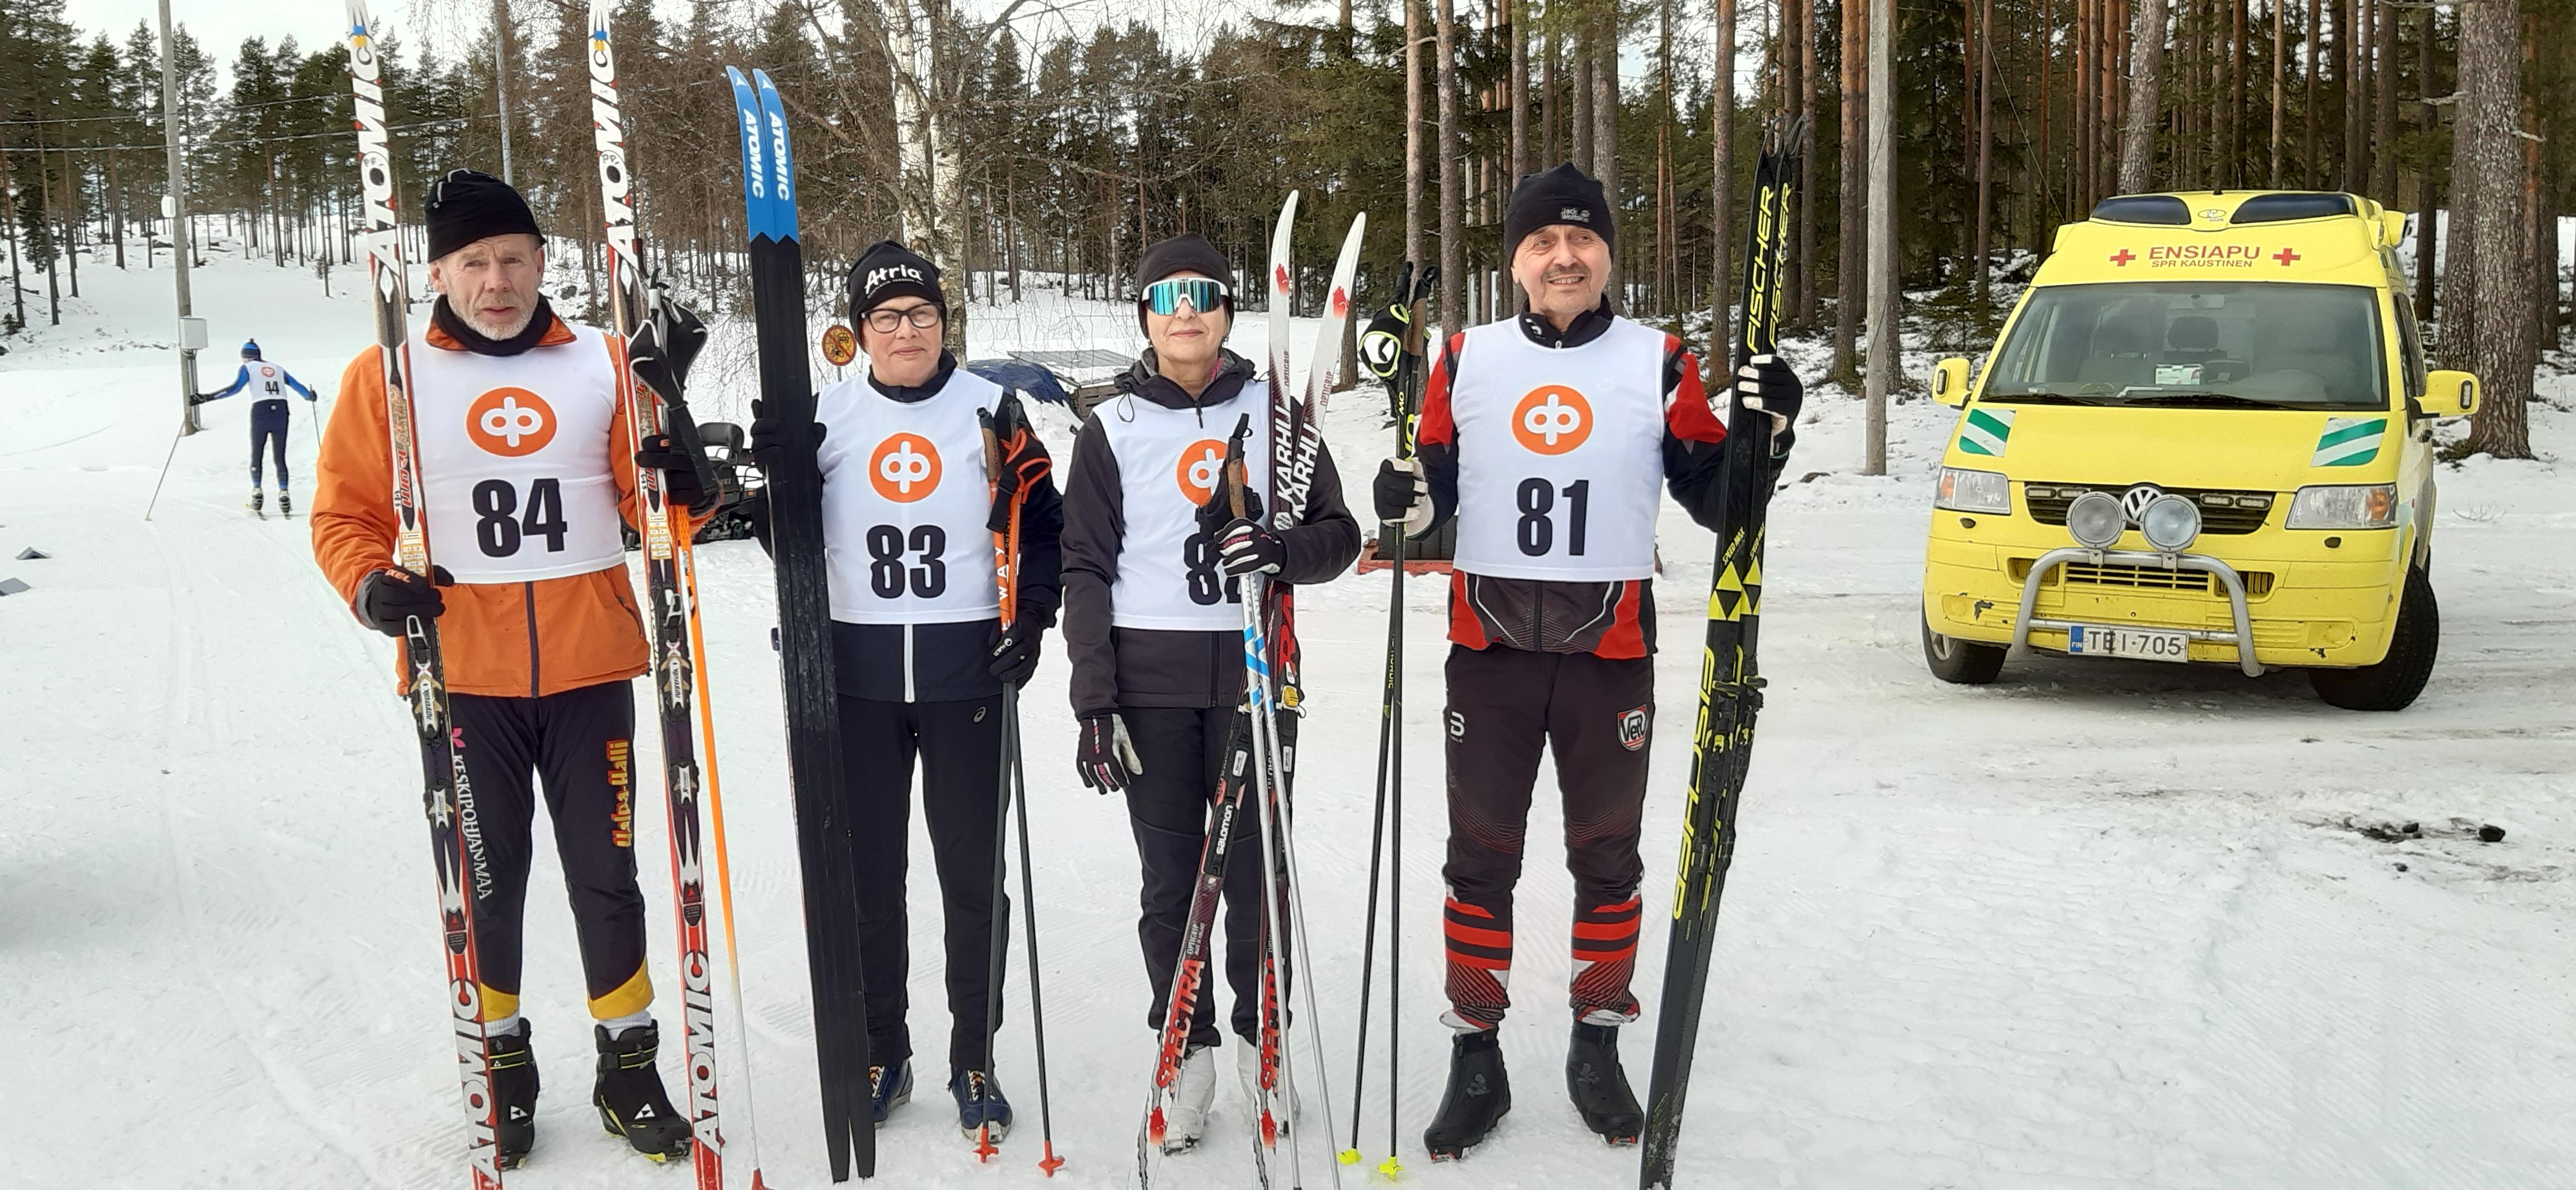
(886, 271)
(1561, 195)
(1186, 253)
(465, 206)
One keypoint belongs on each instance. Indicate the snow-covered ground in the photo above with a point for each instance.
(2098, 925)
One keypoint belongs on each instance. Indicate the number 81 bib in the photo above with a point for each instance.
(515, 459)
(1560, 454)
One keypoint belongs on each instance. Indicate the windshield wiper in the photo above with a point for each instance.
(2202, 398)
(2047, 398)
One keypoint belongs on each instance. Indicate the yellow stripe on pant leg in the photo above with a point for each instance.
(633, 996)
(498, 1004)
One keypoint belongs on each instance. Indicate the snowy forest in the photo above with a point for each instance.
(1003, 144)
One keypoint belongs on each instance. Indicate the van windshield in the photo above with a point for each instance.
(2257, 345)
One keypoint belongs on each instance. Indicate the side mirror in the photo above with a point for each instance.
(1950, 382)
(2450, 394)
(2392, 228)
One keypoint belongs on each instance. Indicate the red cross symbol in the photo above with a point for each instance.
(2124, 258)
(2285, 256)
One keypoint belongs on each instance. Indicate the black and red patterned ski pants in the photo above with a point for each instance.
(1505, 706)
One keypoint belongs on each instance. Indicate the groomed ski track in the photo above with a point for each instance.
(2105, 925)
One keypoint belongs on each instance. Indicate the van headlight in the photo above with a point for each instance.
(2170, 524)
(2344, 506)
(2095, 520)
(1974, 491)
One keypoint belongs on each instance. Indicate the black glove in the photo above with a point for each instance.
(661, 350)
(1247, 548)
(393, 595)
(679, 475)
(1382, 344)
(1015, 651)
(1402, 494)
(1770, 385)
(775, 441)
(1217, 515)
(1104, 755)
(199, 398)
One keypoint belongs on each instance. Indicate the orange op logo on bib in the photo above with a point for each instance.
(1199, 468)
(1552, 420)
(904, 468)
(510, 422)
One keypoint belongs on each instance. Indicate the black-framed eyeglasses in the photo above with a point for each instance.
(922, 317)
(1166, 296)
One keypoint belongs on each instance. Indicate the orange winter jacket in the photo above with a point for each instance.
(526, 639)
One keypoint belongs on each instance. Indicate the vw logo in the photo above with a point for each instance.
(2134, 502)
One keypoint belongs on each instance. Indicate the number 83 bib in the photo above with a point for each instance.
(1560, 454)
(515, 458)
(905, 500)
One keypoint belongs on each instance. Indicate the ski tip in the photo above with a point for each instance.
(734, 75)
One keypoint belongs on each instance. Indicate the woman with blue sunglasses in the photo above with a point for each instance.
(1154, 620)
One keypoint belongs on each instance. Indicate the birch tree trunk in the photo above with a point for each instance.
(1851, 284)
(1453, 256)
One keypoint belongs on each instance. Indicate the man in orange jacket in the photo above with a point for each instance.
(525, 487)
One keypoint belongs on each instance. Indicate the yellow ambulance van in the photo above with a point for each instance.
(2205, 435)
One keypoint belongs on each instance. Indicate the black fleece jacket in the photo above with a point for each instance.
(1138, 667)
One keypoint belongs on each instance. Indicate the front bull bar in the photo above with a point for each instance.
(2243, 636)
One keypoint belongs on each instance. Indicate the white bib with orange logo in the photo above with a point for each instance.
(515, 459)
(905, 499)
(1560, 454)
(1169, 461)
(268, 380)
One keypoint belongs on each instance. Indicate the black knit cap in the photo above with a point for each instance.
(1562, 195)
(465, 206)
(1187, 253)
(888, 270)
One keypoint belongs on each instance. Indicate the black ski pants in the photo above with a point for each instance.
(576, 746)
(1168, 808)
(268, 432)
(959, 748)
(1505, 705)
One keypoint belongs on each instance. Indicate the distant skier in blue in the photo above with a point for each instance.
(267, 417)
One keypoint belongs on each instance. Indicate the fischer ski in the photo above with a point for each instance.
(447, 796)
(805, 649)
(1730, 685)
(674, 336)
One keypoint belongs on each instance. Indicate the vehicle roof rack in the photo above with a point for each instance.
(2279, 208)
(2144, 208)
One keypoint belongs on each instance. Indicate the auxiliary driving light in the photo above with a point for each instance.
(2170, 523)
(2095, 520)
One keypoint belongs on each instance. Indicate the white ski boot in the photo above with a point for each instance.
(1193, 1090)
(1247, 1070)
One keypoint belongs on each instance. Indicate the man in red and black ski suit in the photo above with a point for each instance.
(1544, 436)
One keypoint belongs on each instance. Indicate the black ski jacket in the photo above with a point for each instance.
(1139, 667)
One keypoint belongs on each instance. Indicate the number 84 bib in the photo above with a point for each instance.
(515, 459)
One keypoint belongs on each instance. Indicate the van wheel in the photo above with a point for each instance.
(2392, 684)
(1962, 662)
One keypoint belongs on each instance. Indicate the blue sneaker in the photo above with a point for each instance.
(979, 1102)
(890, 1088)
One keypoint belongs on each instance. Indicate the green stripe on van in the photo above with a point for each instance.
(1984, 431)
(2349, 441)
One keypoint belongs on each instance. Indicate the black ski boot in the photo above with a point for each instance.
(285, 503)
(514, 1093)
(1478, 1095)
(629, 1094)
(255, 497)
(1599, 1088)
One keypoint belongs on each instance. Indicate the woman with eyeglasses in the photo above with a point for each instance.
(919, 652)
(1154, 622)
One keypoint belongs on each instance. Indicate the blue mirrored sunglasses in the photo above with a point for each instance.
(1165, 297)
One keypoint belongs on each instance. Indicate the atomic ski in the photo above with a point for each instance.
(447, 796)
(795, 493)
(1730, 686)
(670, 586)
